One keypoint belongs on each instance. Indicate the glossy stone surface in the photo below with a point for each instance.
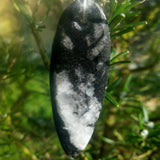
(79, 73)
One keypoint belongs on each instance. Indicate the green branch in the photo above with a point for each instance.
(42, 51)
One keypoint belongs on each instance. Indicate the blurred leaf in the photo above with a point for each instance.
(111, 99)
(120, 33)
(107, 140)
(126, 87)
(113, 158)
(120, 62)
(129, 25)
(118, 56)
(145, 112)
(113, 5)
(7, 155)
(116, 22)
(21, 8)
(140, 121)
(122, 9)
(87, 156)
(114, 84)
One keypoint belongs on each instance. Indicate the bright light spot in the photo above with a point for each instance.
(150, 124)
(8, 21)
(123, 15)
(146, 22)
(84, 4)
(144, 133)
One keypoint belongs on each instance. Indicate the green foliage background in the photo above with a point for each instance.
(129, 125)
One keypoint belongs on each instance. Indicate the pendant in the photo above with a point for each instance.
(79, 73)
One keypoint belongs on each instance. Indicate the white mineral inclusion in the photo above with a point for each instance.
(68, 101)
(67, 42)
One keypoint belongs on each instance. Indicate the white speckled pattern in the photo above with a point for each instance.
(78, 116)
(67, 42)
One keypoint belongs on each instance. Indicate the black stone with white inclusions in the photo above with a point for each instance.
(79, 73)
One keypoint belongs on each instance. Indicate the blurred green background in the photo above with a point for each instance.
(129, 125)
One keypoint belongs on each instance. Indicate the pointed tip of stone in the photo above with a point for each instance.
(74, 155)
(72, 152)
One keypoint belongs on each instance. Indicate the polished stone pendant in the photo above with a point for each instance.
(79, 73)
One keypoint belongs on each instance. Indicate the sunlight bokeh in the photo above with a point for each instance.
(8, 20)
